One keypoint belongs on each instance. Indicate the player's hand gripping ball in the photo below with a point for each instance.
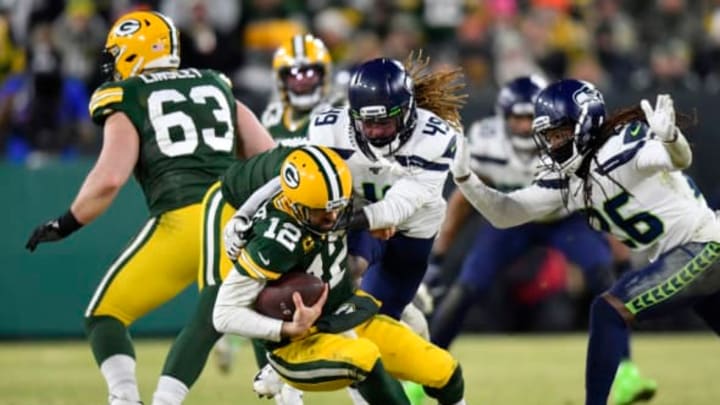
(275, 300)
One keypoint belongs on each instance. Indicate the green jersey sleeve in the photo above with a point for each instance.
(106, 100)
(243, 178)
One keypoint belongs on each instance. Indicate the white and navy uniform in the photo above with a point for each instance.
(403, 190)
(640, 197)
(495, 159)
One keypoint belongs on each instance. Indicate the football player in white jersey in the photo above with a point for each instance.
(626, 171)
(399, 154)
(396, 135)
(504, 154)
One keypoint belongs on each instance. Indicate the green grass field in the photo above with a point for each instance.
(523, 370)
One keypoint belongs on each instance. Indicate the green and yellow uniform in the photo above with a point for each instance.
(186, 123)
(349, 338)
(221, 201)
(284, 124)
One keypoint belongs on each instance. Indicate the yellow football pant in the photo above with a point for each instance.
(327, 362)
(158, 263)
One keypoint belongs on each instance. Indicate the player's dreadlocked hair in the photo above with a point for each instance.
(610, 127)
(437, 91)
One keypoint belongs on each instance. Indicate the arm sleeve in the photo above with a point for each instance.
(657, 155)
(233, 311)
(256, 200)
(404, 198)
(505, 210)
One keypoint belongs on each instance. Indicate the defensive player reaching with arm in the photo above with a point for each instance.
(504, 154)
(397, 136)
(347, 342)
(146, 99)
(625, 170)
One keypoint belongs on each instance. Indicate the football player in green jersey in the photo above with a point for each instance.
(303, 74)
(302, 69)
(177, 130)
(340, 340)
(190, 350)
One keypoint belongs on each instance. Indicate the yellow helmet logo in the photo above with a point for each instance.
(127, 27)
(139, 41)
(291, 175)
(315, 178)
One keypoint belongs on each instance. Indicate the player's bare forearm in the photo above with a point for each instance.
(253, 138)
(112, 169)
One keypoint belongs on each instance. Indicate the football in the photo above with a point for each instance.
(275, 300)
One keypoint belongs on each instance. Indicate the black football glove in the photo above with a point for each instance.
(54, 230)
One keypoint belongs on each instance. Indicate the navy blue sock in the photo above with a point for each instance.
(608, 344)
(450, 315)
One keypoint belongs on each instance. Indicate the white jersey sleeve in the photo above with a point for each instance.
(233, 311)
(505, 210)
(403, 190)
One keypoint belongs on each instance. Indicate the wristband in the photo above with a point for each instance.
(67, 224)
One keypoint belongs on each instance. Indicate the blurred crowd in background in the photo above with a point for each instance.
(49, 49)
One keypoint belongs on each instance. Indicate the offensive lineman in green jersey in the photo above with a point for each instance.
(177, 130)
(340, 340)
(189, 352)
(303, 74)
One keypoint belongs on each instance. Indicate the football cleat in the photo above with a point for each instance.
(267, 382)
(115, 400)
(414, 392)
(224, 351)
(630, 387)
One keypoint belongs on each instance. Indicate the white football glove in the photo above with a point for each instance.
(662, 119)
(267, 382)
(234, 235)
(460, 166)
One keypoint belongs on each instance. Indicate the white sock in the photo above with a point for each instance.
(355, 396)
(170, 391)
(460, 402)
(119, 373)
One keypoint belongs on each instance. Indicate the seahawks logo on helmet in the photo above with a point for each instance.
(291, 175)
(127, 27)
(587, 94)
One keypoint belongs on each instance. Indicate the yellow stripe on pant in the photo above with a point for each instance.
(214, 265)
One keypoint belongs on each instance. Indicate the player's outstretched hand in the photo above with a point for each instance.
(461, 163)
(47, 232)
(661, 120)
(304, 317)
(53, 230)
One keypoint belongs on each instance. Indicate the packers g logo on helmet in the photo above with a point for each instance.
(302, 67)
(127, 27)
(139, 41)
(291, 176)
(315, 177)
